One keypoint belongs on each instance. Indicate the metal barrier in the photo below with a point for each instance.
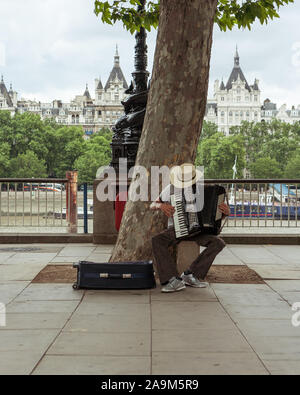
(262, 202)
(57, 205)
(43, 203)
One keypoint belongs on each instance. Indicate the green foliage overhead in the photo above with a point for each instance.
(229, 13)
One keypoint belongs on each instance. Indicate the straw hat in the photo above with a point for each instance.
(184, 175)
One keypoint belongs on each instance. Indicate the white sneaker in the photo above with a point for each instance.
(173, 285)
(192, 281)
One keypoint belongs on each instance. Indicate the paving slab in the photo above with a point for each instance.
(182, 363)
(100, 258)
(284, 285)
(283, 367)
(269, 272)
(4, 256)
(290, 297)
(19, 272)
(110, 323)
(117, 296)
(193, 315)
(289, 253)
(215, 340)
(238, 312)
(20, 363)
(104, 248)
(31, 258)
(93, 365)
(247, 295)
(257, 255)
(36, 320)
(284, 347)
(49, 292)
(11, 290)
(31, 340)
(69, 260)
(189, 294)
(227, 260)
(44, 306)
(226, 257)
(267, 328)
(88, 343)
(75, 250)
(119, 309)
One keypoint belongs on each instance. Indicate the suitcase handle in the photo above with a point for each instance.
(113, 275)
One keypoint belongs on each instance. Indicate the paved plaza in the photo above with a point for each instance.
(224, 329)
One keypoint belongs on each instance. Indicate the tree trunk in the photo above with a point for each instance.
(175, 110)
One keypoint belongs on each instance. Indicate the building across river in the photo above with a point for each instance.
(231, 104)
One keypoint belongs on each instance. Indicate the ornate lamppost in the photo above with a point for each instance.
(128, 128)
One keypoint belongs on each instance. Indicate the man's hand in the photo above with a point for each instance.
(225, 209)
(167, 209)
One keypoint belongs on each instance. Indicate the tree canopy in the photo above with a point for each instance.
(229, 13)
(31, 147)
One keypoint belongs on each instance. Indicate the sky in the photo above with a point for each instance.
(50, 49)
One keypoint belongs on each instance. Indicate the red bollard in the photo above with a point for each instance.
(71, 197)
(120, 203)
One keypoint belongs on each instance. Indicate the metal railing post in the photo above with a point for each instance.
(71, 200)
(85, 208)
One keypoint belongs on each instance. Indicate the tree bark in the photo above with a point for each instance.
(175, 110)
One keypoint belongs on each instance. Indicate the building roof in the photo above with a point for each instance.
(237, 73)
(269, 106)
(87, 93)
(116, 72)
(99, 86)
(4, 92)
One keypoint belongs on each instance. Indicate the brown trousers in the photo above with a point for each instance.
(165, 260)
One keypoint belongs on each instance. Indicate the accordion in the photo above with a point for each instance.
(189, 221)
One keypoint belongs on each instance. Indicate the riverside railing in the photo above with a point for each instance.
(59, 205)
(262, 202)
(43, 204)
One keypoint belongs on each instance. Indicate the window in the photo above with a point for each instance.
(238, 90)
(247, 98)
(255, 98)
(241, 114)
(247, 114)
(222, 98)
(99, 112)
(238, 99)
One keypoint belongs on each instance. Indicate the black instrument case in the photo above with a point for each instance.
(114, 275)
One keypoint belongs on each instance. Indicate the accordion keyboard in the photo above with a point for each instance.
(180, 225)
